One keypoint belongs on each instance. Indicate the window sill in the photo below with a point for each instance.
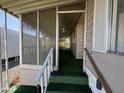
(116, 53)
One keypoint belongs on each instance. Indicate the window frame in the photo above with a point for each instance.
(113, 40)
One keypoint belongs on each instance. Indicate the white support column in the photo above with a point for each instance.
(6, 54)
(85, 39)
(20, 38)
(38, 28)
(57, 40)
(0, 68)
(114, 26)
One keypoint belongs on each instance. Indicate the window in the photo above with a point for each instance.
(117, 33)
(99, 26)
(29, 38)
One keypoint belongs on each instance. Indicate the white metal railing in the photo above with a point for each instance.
(44, 74)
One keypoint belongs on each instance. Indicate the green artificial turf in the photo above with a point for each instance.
(13, 89)
(22, 89)
(69, 78)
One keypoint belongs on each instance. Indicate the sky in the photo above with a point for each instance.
(12, 22)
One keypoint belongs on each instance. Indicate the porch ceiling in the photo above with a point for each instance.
(16, 7)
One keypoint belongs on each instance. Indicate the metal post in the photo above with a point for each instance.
(20, 39)
(6, 54)
(57, 40)
(52, 61)
(38, 34)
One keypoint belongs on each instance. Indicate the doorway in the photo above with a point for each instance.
(70, 26)
(75, 8)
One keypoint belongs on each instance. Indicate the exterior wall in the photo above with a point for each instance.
(111, 65)
(89, 36)
(80, 39)
(73, 43)
(77, 39)
(89, 33)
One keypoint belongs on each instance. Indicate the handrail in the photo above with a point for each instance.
(98, 72)
(44, 74)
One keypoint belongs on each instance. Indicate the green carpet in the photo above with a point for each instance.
(69, 78)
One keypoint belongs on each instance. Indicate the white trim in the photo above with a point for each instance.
(94, 18)
(20, 38)
(98, 50)
(57, 32)
(107, 25)
(0, 72)
(113, 36)
(38, 28)
(6, 54)
(106, 30)
(57, 40)
(85, 39)
(33, 67)
(73, 11)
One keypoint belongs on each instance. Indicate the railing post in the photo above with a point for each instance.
(45, 77)
(41, 84)
(49, 68)
(52, 61)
